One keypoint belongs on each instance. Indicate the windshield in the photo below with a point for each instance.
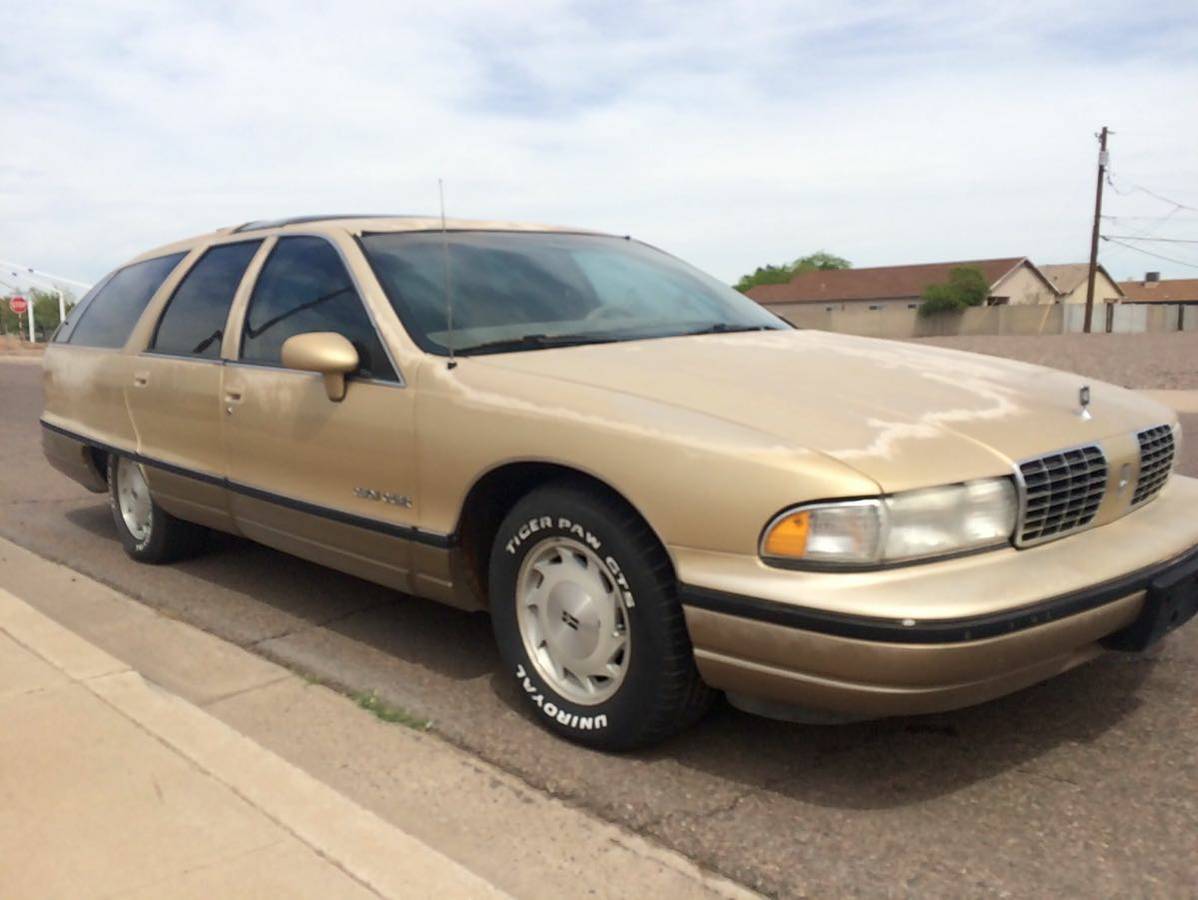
(531, 290)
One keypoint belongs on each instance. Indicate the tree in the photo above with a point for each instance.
(783, 273)
(966, 286)
(45, 309)
(45, 313)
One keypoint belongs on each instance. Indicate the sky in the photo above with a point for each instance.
(730, 134)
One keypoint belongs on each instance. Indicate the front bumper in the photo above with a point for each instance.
(1031, 615)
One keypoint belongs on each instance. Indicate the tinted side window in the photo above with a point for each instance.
(194, 321)
(304, 287)
(63, 333)
(113, 312)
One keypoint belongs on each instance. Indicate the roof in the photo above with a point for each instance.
(352, 224)
(1066, 277)
(1174, 290)
(879, 283)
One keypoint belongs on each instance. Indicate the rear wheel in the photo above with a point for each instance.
(148, 532)
(587, 620)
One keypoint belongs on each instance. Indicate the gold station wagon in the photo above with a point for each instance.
(656, 488)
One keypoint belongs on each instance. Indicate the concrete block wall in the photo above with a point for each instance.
(1015, 320)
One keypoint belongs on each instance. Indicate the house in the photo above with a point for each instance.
(1013, 280)
(1173, 291)
(1072, 280)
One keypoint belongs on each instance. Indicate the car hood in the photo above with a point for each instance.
(906, 415)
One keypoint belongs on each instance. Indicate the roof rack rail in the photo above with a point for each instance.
(259, 224)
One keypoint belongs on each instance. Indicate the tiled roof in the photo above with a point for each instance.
(1173, 290)
(880, 283)
(1066, 277)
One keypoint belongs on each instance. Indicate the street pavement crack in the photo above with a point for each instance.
(718, 810)
(314, 626)
(246, 690)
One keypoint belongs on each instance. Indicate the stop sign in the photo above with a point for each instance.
(18, 304)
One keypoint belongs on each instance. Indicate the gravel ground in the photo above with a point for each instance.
(1142, 361)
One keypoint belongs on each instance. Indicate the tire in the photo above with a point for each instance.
(150, 534)
(569, 563)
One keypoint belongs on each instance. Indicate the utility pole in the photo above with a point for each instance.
(1102, 161)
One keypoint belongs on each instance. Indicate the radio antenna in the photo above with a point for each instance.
(448, 277)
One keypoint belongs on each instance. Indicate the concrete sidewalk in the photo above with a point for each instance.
(110, 786)
(258, 773)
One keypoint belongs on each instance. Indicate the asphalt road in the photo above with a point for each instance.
(1085, 785)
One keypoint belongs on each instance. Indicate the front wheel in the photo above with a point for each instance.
(147, 531)
(586, 616)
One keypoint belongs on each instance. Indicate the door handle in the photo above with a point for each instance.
(232, 398)
(141, 379)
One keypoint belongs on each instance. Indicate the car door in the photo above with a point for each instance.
(332, 481)
(174, 393)
(85, 386)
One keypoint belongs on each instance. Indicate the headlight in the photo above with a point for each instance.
(901, 527)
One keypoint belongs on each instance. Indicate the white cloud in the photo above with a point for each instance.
(731, 134)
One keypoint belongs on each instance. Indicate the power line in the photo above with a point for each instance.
(1132, 237)
(1180, 262)
(1172, 189)
(1145, 231)
(1167, 215)
(41, 274)
(1143, 190)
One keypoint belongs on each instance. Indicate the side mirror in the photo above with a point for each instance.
(325, 352)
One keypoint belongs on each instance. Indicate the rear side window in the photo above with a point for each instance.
(194, 320)
(304, 287)
(62, 334)
(113, 312)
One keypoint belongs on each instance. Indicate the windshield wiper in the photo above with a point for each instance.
(534, 342)
(541, 341)
(725, 328)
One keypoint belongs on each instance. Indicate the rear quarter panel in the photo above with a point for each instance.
(84, 391)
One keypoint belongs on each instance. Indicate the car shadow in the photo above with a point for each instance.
(904, 760)
(868, 765)
(451, 642)
(897, 761)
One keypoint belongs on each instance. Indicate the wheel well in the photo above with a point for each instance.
(99, 459)
(497, 492)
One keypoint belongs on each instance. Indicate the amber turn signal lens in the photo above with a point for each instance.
(788, 537)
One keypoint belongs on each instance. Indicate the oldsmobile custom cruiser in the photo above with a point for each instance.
(657, 489)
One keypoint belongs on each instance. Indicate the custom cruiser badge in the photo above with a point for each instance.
(383, 497)
(1083, 398)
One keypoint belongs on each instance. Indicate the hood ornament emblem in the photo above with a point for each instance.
(1083, 398)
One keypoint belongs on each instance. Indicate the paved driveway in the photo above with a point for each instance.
(1085, 785)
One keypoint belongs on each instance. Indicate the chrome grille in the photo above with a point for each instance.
(1062, 492)
(1156, 461)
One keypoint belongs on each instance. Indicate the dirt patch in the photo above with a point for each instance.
(1143, 361)
(10, 345)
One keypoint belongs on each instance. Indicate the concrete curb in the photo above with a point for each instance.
(471, 811)
(373, 852)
